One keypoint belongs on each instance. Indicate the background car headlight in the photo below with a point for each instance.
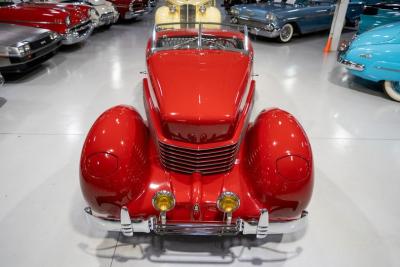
(93, 12)
(24, 48)
(163, 201)
(172, 8)
(228, 202)
(202, 9)
(270, 17)
(53, 35)
(235, 11)
(67, 21)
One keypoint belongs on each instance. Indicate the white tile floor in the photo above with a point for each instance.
(354, 130)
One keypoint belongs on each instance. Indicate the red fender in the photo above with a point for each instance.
(114, 161)
(280, 164)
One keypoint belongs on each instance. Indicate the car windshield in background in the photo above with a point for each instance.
(9, 2)
(200, 36)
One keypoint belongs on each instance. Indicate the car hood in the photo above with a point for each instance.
(37, 13)
(103, 8)
(199, 92)
(77, 13)
(259, 11)
(389, 33)
(11, 34)
(97, 2)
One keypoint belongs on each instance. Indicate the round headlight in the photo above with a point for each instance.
(202, 9)
(163, 201)
(93, 12)
(235, 11)
(270, 17)
(228, 202)
(53, 35)
(67, 21)
(172, 8)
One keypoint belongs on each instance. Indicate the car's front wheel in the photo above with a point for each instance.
(392, 89)
(286, 33)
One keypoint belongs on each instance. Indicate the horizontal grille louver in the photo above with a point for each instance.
(40, 43)
(204, 161)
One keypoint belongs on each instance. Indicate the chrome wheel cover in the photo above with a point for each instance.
(286, 33)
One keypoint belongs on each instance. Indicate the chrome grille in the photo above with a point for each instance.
(41, 42)
(204, 161)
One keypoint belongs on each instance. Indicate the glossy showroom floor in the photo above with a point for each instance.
(354, 130)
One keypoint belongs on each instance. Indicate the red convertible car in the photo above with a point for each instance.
(70, 21)
(131, 9)
(197, 166)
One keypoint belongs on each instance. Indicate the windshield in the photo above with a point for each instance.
(9, 2)
(174, 36)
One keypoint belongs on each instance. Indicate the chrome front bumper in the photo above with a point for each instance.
(136, 14)
(107, 19)
(261, 229)
(343, 48)
(261, 32)
(258, 28)
(350, 64)
(78, 34)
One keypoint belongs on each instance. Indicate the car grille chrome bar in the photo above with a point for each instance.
(204, 161)
(199, 229)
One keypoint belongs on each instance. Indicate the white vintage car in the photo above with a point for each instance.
(103, 14)
(176, 11)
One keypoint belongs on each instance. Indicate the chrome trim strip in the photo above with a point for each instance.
(388, 69)
(28, 21)
(159, 26)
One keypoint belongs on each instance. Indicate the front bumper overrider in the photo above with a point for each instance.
(78, 34)
(261, 228)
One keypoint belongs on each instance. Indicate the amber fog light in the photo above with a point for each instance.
(163, 201)
(228, 202)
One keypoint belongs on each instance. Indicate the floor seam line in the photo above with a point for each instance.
(115, 249)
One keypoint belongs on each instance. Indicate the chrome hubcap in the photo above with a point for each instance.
(286, 32)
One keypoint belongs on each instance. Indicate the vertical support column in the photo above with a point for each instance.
(337, 26)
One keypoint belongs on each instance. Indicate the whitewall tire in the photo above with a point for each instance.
(286, 33)
(392, 89)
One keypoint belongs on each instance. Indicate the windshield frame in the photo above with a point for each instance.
(159, 28)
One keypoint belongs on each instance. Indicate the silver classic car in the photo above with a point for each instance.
(22, 48)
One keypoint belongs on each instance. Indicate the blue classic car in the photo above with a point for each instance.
(375, 55)
(379, 14)
(284, 19)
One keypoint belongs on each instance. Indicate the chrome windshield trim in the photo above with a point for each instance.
(158, 27)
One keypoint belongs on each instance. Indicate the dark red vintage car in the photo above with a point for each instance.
(197, 166)
(131, 9)
(72, 22)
